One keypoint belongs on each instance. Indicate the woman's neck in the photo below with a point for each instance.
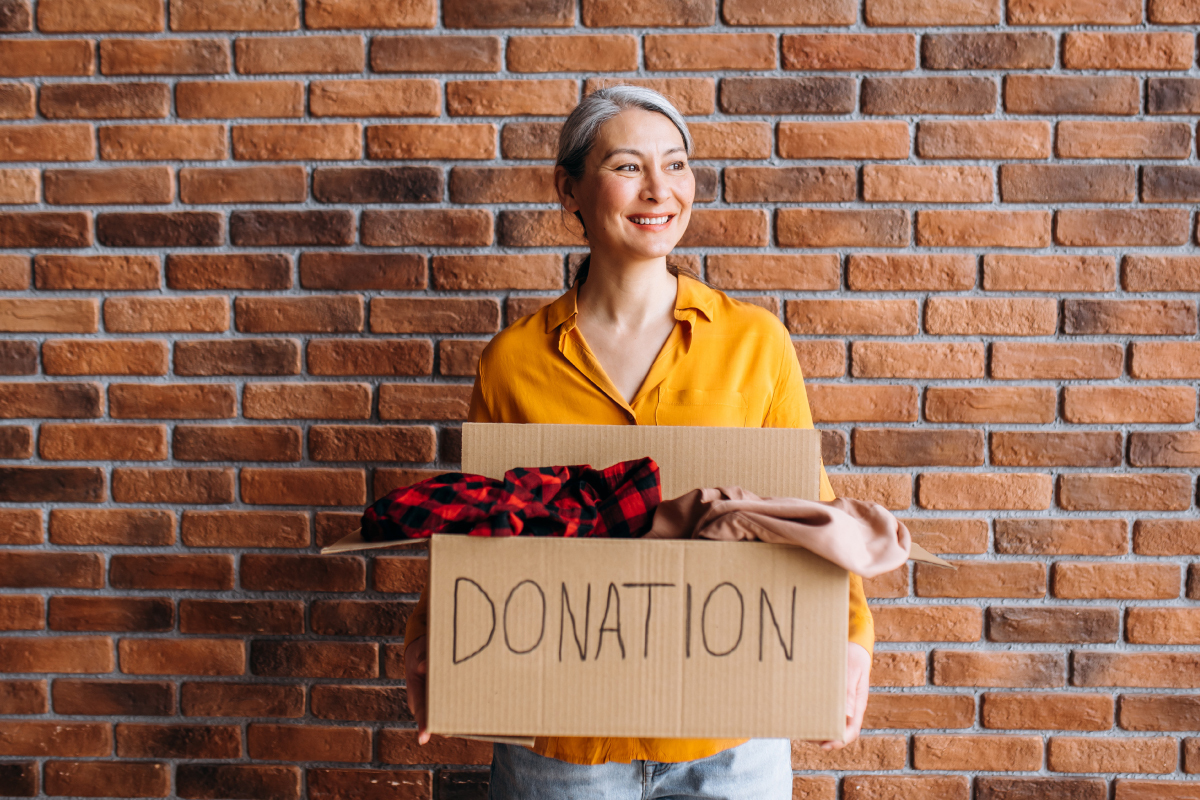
(628, 296)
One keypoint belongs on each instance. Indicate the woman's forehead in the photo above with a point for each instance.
(639, 129)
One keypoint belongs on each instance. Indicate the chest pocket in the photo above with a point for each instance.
(714, 408)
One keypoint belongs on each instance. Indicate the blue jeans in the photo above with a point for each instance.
(760, 769)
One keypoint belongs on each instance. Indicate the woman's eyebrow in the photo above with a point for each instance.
(632, 151)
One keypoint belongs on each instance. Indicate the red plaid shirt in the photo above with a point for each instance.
(617, 502)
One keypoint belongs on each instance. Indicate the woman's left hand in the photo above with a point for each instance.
(858, 682)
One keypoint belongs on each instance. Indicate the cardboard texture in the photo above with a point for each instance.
(601, 637)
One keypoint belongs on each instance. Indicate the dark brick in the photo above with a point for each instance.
(1035, 624)
(236, 443)
(891, 96)
(51, 485)
(360, 617)
(114, 698)
(1144, 317)
(1164, 449)
(251, 782)
(268, 573)
(210, 699)
(46, 229)
(314, 659)
(15, 17)
(105, 100)
(27, 570)
(462, 784)
(450, 445)
(707, 179)
(200, 572)
(818, 95)
(273, 228)
(508, 13)
(1173, 95)
(987, 51)
(111, 614)
(790, 184)
(1040, 789)
(19, 779)
(1067, 183)
(375, 703)
(179, 741)
(435, 53)
(16, 441)
(378, 184)
(107, 779)
(245, 616)
(18, 358)
(23, 697)
(229, 271)
(238, 357)
(1170, 184)
(358, 271)
(165, 229)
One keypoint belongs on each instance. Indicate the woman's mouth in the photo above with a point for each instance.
(660, 221)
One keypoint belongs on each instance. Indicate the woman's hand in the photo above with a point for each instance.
(416, 664)
(858, 682)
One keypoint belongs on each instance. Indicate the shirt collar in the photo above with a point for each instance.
(692, 295)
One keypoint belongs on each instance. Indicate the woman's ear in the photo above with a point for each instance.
(565, 186)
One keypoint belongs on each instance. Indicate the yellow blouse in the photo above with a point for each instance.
(726, 363)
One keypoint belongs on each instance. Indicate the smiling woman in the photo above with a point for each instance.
(635, 342)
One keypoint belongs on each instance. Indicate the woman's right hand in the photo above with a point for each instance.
(416, 665)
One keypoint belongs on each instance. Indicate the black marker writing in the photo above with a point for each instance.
(741, 619)
(564, 612)
(541, 633)
(491, 633)
(608, 603)
(789, 649)
(649, 587)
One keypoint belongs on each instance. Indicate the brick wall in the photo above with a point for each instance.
(251, 251)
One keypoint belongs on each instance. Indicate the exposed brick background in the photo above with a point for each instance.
(250, 251)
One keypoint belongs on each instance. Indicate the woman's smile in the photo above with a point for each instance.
(648, 223)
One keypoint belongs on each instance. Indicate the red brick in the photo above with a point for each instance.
(368, 14)
(1067, 183)
(849, 51)
(182, 657)
(23, 612)
(206, 573)
(27, 57)
(867, 753)
(928, 624)
(171, 401)
(16, 441)
(210, 699)
(326, 314)
(1070, 12)
(1140, 51)
(862, 403)
(1112, 754)
(984, 490)
(241, 617)
(50, 400)
(1162, 626)
(1108, 404)
(399, 746)
(431, 141)
(1166, 537)
(245, 528)
(103, 442)
(96, 272)
(376, 357)
(782, 12)
(949, 535)
(1177, 449)
(73, 654)
(385, 481)
(120, 185)
(1160, 274)
(298, 142)
(114, 698)
(290, 54)
(1050, 624)
(511, 98)
(1151, 670)
(434, 315)
(792, 272)
(917, 711)
(1021, 711)
(1129, 789)
(620, 13)
(53, 142)
(983, 139)
(811, 227)
(1102, 139)
(876, 317)
(207, 486)
(1136, 317)
(19, 187)
(1016, 273)
(307, 401)
(111, 778)
(29, 738)
(1055, 361)
(309, 487)
(916, 360)
(497, 272)
(16, 102)
(905, 668)
(155, 142)
(21, 527)
(375, 98)
(1048, 449)
(105, 101)
(459, 357)
(1071, 94)
(981, 579)
(903, 447)
(692, 96)
(928, 95)
(233, 99)
(360, 618)
(308, 743)
(902, 787)
(382, 442)
(164, 56)
(909, 184)
(786, 184)
(445, 227)
(1159, 492)
(179, 741)
(1084, 580)
(865, 139)
(400, 574)
(166, 314)
(49, 316)
(110, 357)
(983, 228)
(359, 271)
(51, 569)
(1172, 12)
(1025, 50)
(283, 184)
(238, 357)
(1117, 227)
(51, 484)
(998, 669)
(507, 13)
(706, 51)
(63, 16)
(790, 95)
(605, 53)
(1148, 712)
(228, 15)
(236, 443)
(907, 273)
(23, 697)
(434, 53)
(287, 659)
(889, 491)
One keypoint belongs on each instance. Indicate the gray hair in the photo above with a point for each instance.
(578, 135)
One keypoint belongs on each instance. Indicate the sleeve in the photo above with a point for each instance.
(789, 409)
(418, 620)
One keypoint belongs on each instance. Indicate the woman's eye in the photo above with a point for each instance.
(629, 167)
(678, 165)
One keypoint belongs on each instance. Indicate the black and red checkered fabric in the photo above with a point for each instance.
(617, 502)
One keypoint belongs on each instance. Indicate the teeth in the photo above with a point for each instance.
(650, 220)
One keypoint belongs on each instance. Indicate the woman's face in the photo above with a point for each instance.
(636, 191)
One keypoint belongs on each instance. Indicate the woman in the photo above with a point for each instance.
(636, 342)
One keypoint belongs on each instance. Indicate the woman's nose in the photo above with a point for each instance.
(655, 186)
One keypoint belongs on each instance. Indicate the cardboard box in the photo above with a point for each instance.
(598, 637)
